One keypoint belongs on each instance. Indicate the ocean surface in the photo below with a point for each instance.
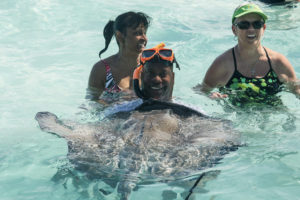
(47, 49)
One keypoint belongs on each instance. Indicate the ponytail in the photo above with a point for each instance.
(108, 33)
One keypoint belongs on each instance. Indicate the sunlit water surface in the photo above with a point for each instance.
(47, 50)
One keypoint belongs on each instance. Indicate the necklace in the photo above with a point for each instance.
(253, 70)
(251, 66)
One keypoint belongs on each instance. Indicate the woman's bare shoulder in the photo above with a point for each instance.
(278, 60)
(99, 67)
(281, 65)
(223, 61)
(275, 56)
(97, 76)
(220, 70)
(103, 62)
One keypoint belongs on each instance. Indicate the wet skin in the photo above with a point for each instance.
(250, 35)
(135, 39)
(157, 81)
(122, 64)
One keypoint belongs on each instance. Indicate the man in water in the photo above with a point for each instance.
(157, 76)
(170, 140)
(157, 81)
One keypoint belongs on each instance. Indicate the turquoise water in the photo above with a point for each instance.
(47, 49)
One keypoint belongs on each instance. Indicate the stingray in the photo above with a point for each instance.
(158, 141)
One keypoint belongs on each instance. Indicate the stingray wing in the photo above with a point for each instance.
(49, 122)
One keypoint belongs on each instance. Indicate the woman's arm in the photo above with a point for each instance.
(286, 73)
(218, 75)
(96, 83)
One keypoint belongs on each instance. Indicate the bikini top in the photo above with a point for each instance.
(110, 85)
(245, 89)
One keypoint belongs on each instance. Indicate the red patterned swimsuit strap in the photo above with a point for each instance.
(110, 84)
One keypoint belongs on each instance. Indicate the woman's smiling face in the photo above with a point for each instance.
(249, 35)
(135, 40)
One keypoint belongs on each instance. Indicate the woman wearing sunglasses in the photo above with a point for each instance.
(112, 75)
(249, 72)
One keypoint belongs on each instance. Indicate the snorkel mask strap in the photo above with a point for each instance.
(136, 75)
(175, 61)
(136, 86)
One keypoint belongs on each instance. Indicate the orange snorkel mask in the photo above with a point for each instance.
(147, 55)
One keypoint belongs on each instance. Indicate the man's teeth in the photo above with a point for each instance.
(251, 36)
(155, 88)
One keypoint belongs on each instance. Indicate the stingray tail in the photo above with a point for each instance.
(126, 185)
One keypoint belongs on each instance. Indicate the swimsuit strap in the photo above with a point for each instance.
(234, 59)
(107, 67)
(109, 78)
(235, 72)
(110, 84)
(269, 60)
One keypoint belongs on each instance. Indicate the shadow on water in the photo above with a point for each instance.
(283, 15)
(88, 187)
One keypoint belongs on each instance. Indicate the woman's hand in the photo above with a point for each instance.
(217, 95)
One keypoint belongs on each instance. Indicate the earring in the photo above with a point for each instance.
(235, 38)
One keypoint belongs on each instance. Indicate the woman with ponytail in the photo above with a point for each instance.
(112, 76)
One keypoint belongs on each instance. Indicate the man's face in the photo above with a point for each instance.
(157, 81)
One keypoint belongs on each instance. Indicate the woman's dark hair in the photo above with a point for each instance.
(122, 22)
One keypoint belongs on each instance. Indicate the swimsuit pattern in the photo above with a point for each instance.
(243, 89)
(110, 85)
(112, 91)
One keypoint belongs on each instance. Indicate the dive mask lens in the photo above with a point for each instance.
(165, 52)
(148, 53)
